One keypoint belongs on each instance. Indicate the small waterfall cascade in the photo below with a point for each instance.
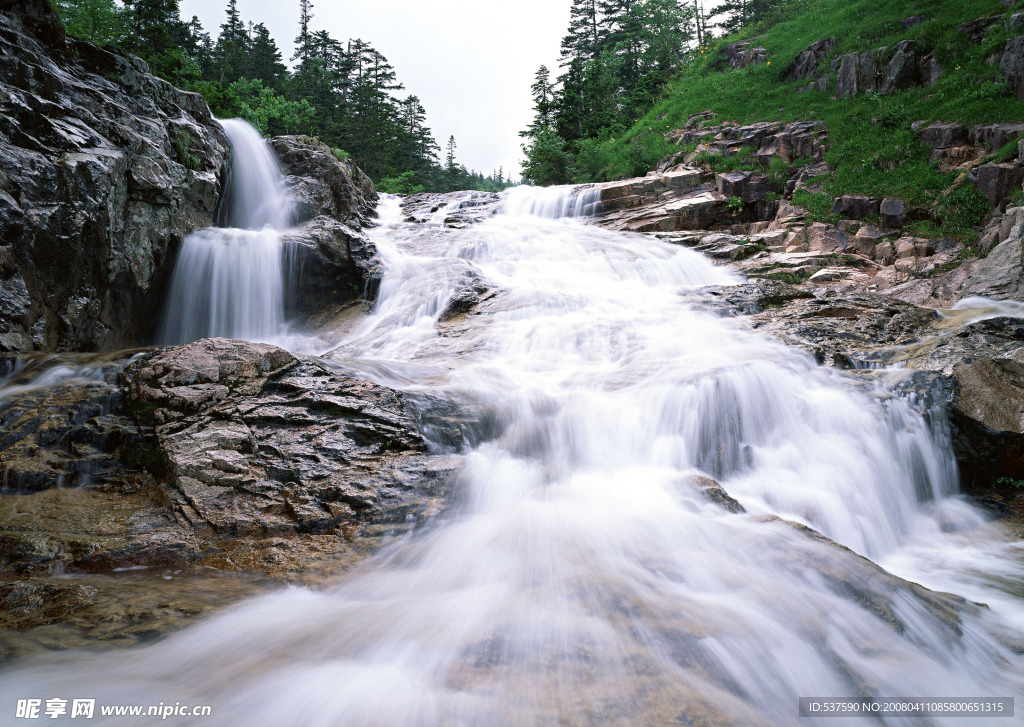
(228, 280)
(553, 202)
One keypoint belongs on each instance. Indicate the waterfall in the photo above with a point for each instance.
(228, 279)
(581, 575)
(552, 202)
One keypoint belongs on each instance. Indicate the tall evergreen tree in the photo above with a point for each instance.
(584, 38)
(233, 47)
(304, 40)
(265, 62)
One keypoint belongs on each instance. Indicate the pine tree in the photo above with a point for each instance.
(265, 63)
(543, 92)
(233, 47)
(584, 38)
(303, 41)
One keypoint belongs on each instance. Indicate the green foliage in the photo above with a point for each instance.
(1010, 482)
(404, 184)
(1006, 152)
(872, 149)
(102, 22)
(819, 206)
(547, 162)
(340, 154)
(961, 209)
(267, 111)
(183, 148)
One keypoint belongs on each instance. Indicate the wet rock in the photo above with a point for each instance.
(328, 262)
(104, 169)
(263, 444)
(322, 184)
(714, 493)
(893, 213)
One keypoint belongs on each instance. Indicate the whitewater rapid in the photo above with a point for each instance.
(580, 576)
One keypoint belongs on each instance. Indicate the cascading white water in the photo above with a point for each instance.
(228, 280)
(552, 202)
(579, 578)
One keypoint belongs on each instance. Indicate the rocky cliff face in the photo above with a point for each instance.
(104, 168)
(330, 258)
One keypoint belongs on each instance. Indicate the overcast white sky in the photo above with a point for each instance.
(471, 62)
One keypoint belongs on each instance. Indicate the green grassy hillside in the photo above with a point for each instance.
(873, 150)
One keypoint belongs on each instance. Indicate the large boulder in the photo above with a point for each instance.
(323, 184)
(104, 169)
(328, 258)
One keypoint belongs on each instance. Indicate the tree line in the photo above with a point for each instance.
(616, 58)
(344, 93)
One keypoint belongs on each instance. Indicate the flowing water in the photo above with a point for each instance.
(581, 577)
(228, 280)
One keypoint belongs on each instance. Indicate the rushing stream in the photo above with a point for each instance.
(580, 576)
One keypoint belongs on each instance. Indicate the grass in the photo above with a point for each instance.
(872, 149)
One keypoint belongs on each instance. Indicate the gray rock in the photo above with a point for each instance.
(741, 55)
(853, 207)
(976, 30)
(1012, 65)
(322, 184)
(995, 136)
(846, 84)
(931, 70)
(1016, 21)
(941, 135)
(733, 184)
(867, 73)
(893, 213)
(261, 443)
(914, 21)
(999, 274)
(901, 71)
(996, 180)
(806, 64)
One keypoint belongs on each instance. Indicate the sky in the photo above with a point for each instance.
(471, 62)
